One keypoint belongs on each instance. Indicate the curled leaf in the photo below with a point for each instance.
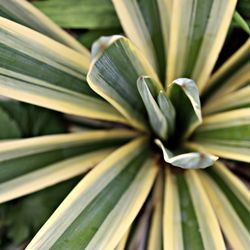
(192, 160)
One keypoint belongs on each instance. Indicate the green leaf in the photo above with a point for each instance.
(230, 77)
(225, 134)
(8, 126)
(32, 120)
(197, 33)
(191, 160)
(234, 100)
(139, 230)
(105, 216)
(23, 12)
(242, 209)
(114, 73)
(241, 22)
(38, 70)
(208, 224)
(84, 14)
(172, 221)
(156, 225)
(184, 96)
(141, 23)
(157, 120)
(44, 161)
(42, 58)
(230, 199)
(189, 219)
(189, 222)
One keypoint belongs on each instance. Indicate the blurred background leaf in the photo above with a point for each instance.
(19, 120)
(87, 14)
(20, 219)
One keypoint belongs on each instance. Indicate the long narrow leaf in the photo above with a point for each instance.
(235, 100)
(46, 73)
(230, 199)
(157, 120)
(50, 175)
(156, 226)
(47, 160)
(225, 134)
(8, 126)
(231, 76)
(107, 212)
(23, 12)
(40, 57)
(172, 226)
(198, 30)
(208, 224)
(141, 22)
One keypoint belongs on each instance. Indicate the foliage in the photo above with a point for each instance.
(152, 177)
(17, 223)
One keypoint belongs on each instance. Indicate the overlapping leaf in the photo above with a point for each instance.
(38, 70)
(107, 212)
(23, 12)
(198, 30)
(187, 160)
(225, 134)
(230, 199)
(44, 161)
(31, 120)
(190, 221)
(184, 96)
(8, 126)
(114, 73)
(83, 14)
(142, 23)
(231, 78)
(157, 120)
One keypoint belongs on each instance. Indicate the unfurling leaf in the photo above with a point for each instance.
(184, 95)
(157, 120)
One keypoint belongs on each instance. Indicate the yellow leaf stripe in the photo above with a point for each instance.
(155, 231)
(50, 175)
(54, 51)
(235, 184)
(121, 216)
(32, 17)
(232, 100)
(172, 228)
(233, 228)
(18, 148)
(236, 79)
(208, 224)
(135, 27)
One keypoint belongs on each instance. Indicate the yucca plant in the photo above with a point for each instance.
(153, 179)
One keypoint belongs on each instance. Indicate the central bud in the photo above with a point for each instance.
(174, 114)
